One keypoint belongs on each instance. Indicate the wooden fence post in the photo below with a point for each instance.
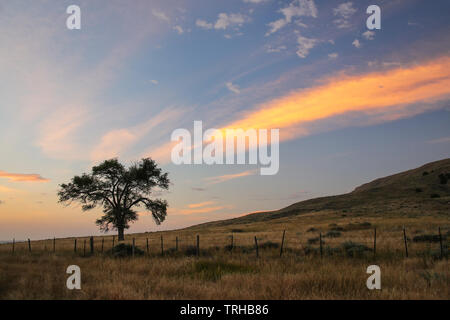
(148, 251)
(91, 244)
(75, 245)
(320, 242)
(374, 242)
(232, 243)
(176, 244)
(13, 245)
(103, 243)
(113, 242)
(54, 244)
(29, 245)
(406, 242)
(84, 248)
(256, 247)
(440, 243)
(282, 243)
(198, 246)
(162, 246)
(132, 248)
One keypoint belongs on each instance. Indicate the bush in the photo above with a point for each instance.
(425, 173)
(353, 249)
(332, 234)
(191, 251)
(123, 250)
(315, 240)
(443, 178)
(269, 245)
(312, 229)
(428, 238)
(434, 195)
(418, 190)
(237, 230)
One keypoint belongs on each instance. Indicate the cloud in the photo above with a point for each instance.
(160, 15)
(380, 96)
(305, 45)
(333, 55)
(296, 9)
(22, 177)
(356, 43)
(369, 35)
(440, 140)
(230, 20)
(155, 82)
(227, 177)
(201, 207)
(114, 142)
(203, 24)
(200, 204)
(198, 189)
(201, 210)
(232, 87)
(343, 13)
(255, 1)
(179, 29)
(277, 49)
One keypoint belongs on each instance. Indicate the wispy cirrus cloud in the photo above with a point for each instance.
(114, 142)
(343, 13)
(227, 177)
(201, 207)
(200, 204)
(440, 140)
(22, 177)
(296, 9)
(393, 94)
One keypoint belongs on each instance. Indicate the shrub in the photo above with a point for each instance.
(418, 190)
(434, 195)
(353, 249)
(425, 173)
(237, 230)
(315, 240)
(269, 245)
(443, 178)
(428, 238)
(312, 229)
(332, 234)
(124, 250)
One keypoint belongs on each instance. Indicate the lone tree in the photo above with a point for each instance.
(118, 190)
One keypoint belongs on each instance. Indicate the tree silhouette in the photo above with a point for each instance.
(118, 190)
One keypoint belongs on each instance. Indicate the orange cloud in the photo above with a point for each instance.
(20, 177)
(201, 210)
(226, 177)
(366, 93)
(200, 204)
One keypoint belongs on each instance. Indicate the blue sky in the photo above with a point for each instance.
(137, 70)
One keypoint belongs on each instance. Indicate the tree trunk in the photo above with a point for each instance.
(120, 234)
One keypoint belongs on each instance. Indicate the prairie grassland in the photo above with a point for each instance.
(224, 273)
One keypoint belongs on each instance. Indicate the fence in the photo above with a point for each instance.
(279, 243)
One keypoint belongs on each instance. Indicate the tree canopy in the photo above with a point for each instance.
(119, 191)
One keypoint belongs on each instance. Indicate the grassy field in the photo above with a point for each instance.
(221, 273)
(417, 200)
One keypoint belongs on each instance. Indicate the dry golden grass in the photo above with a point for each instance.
(220, 274)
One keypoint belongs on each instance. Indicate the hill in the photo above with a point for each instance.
(424, 190)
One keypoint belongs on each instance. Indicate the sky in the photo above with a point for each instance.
(351, 104)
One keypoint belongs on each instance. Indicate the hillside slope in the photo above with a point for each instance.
(422, 190)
